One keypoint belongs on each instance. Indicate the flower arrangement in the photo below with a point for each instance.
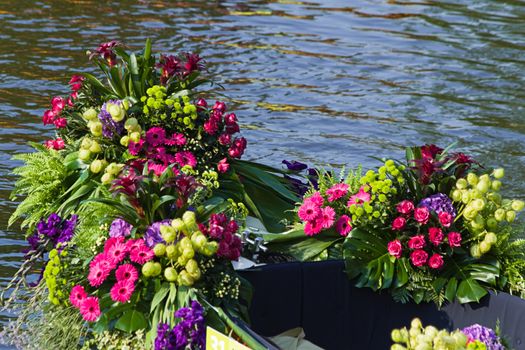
(134, 210)
(433, 228)
(475, 337)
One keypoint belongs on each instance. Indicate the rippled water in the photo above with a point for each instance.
(327, 81)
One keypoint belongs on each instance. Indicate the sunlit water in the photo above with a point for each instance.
(326, 82)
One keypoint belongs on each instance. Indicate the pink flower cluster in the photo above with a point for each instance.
(116, 250)
(89, 306)
(223, 126)
(223, 230)
(56, 144)
(318, 217)
(58, 103)
(425, 248)
(161, 150)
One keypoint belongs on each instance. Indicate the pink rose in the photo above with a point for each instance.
(421, 215)
(418, 257)
(223, 165)
(435, 261)
(445, 219)
(435, 235)
(395, 249)
(417, 242)
(405, 207)
(399, 223)
(454, 239)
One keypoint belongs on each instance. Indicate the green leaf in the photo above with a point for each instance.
(97, 84)
(160, 296)
(131, 321)
(450, 292)
(470, 291)
(135, 77)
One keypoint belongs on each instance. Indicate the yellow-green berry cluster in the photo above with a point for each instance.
(56, 286)
(183, 240)
(427, 338)
(484, 211)
(158, 107)
(155, 100)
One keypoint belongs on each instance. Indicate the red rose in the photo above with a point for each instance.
(421, 215)
(395, 248)
(416, 242)
(405, 207)
(418, 257)
(454, 239)
(399, 223)
(445, 219)
(435, 235)
(435, 261)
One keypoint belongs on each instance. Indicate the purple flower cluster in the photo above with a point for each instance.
(109, 126)
(485, 335)
(297, 185)
(439, 203)
(189, 333)
(54, 230)
(152, 235)
(120, 228)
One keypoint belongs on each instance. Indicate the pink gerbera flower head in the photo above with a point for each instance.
(126, 272)
(90, 309)
(158, 169)
(327, 217)
(360, 197)
(118, 252)
(141, 255)
(316, 198)
(135, 147)
(185, 158)
(343, 225)
(175, 140)
(122, 291)
(337, 191)
(97, 274)
(155, 136)
(312, 227)
(134, 244)
(77, 295)
(104, 261)
(112, 241)
(309, 211)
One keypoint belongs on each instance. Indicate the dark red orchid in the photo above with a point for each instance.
(106, 51)
(430, 151)
(193, 63)
(169, 65)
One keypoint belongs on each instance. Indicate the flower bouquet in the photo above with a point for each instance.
(475, 337)
(133, 211)
(434, 228)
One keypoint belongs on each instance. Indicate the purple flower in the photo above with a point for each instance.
(485, 335)
(109, 126)
(52, 231)
(152, 235)
(295, 165)
(120, 228)
(189, 333)
(439, 203)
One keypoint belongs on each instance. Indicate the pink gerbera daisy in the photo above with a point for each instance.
(157, 169)
(134, 244)
(126, 272)
(312, 227)
(135, 147)
(327, 217)
(90, 309)
(141, 255)
(308, 211)
(359, 198)
(155, 136)
(77, 295)
(176, 140)
(117, 252)
(316, 198)
(103, 260)
(337, 191)
(122, 291)
(111, 241)
(97, 274)
(185, 158)
(343, 225)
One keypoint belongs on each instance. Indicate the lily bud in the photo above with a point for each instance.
(95, 147)
(117, 113)
(96, 128)
(90, 114)
(106, 179)
(170, 274)
(499, 173)
(96, 166)
(518, 205)
(472, 179)
(84, 154)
